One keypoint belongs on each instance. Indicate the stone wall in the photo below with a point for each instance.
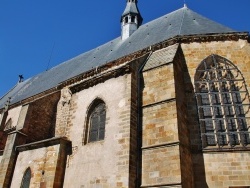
(160, 146)
(63, 109)
(227, 169)
(14, 115)
(103, 163)
(183, 131)
(219, 169)
(171, 145)
(3, 138)
(40, 120)
(42, 163)
(46, 160)
(161, 167)
(7, 164)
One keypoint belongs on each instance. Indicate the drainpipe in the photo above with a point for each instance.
(139, 122)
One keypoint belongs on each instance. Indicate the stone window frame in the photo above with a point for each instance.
(223, 104)
(26, 178)
(94, 109)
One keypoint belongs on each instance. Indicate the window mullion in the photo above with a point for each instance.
(220, 89)
(98, 126)
(234, 106)
(221, 100)
(212, 108)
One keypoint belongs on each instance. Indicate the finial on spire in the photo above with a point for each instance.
(185, 4)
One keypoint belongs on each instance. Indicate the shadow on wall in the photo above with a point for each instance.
(194, 131)
(3, 138)
(3, 134)
(41, 118)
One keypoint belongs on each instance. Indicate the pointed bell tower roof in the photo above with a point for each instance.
(132, 9)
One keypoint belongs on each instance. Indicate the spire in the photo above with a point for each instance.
(131, 19)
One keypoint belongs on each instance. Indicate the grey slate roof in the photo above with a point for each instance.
(161, 57)
(180, 22)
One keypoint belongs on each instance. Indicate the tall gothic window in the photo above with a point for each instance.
(96, 121)
(223, 104)
(26, 179)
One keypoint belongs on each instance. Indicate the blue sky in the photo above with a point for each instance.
(36, 35)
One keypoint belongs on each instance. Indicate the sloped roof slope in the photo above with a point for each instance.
(178, 23)
(161, 57)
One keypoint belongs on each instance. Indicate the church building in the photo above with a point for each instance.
(166, 104)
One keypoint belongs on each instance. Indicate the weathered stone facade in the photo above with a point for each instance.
(216, 169)
(152, 135)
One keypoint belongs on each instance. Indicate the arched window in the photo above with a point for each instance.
(126, 19)
(26, 179)
(96, 121)
(223, 104)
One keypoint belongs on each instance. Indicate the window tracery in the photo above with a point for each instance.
(223, 104)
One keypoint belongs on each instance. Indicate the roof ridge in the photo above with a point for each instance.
(184, 12)
(163, 16)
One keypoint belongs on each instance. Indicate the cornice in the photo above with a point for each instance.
(100, 78)
(214, 37)
(44, 143)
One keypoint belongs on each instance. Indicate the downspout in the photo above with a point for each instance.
(139, 123)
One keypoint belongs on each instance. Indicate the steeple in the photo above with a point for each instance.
(131, 19)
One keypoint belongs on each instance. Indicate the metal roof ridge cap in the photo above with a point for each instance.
(182, 19)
